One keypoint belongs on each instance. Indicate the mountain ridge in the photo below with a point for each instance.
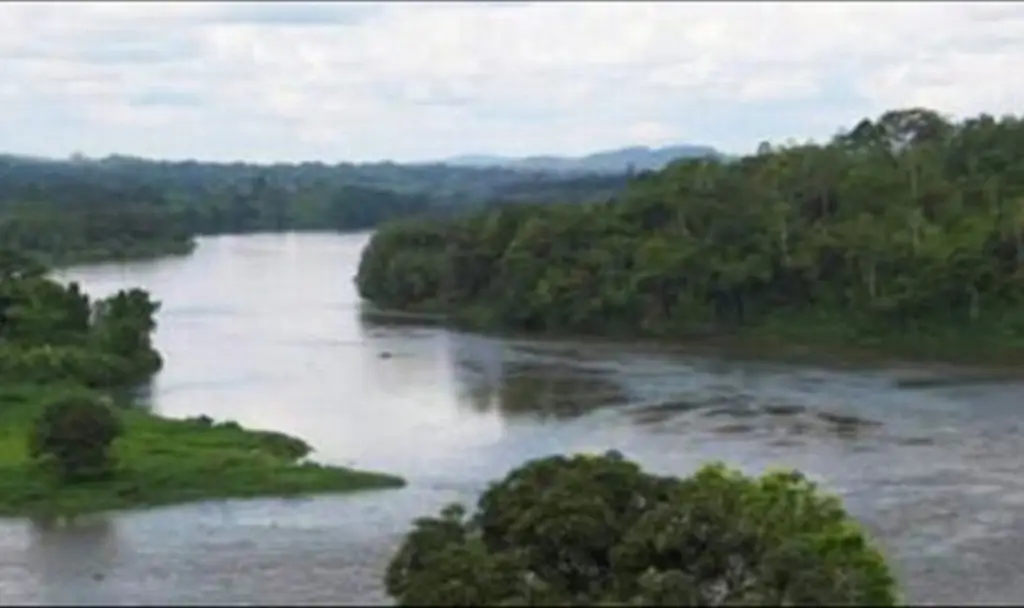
(618, 160)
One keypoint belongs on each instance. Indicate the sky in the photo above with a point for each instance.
(295, 81)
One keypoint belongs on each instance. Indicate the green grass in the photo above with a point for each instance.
(162, 461)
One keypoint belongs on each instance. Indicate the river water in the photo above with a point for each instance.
(266, 330)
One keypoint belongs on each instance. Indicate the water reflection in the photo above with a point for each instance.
(541, 392)
(84, 549)
(489, 375)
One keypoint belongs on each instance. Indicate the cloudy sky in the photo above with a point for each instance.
(348, 81)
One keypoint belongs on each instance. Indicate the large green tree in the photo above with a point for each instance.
(74, 434)
(597, 530)
(54, 333)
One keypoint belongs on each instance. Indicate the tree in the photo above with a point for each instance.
(16, 265)
(53, 332)
(589, 530)
(907, 229)
(76, 433)
(119, 207)
(123, 326)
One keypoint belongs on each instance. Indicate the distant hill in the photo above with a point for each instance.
(640, 158)
(229, 198)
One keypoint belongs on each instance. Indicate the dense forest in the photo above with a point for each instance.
(53, 334)
(119, 207)
(909, 225)
(101, 223)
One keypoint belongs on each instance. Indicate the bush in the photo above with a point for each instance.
(75, 432)
(54, 364)
(598, 530)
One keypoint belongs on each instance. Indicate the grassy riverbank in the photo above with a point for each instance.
(162, 461)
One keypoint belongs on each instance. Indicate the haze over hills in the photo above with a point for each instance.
(640, 158)
(617, 161)
(56, 207)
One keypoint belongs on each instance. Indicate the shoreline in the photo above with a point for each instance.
(756, 343)
(84, 259)
(162, 462)
(155, 461)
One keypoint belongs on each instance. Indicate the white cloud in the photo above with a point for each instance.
(338, 81)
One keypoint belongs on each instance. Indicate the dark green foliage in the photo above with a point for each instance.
(75, 433)
(908, 224)
(120, 208)
(52, 333)
(70, 221)
(592, 530)
(16, 265)
(59, 440)
(44, 365)
(123, 324)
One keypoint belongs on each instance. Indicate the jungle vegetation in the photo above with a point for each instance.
(907, 228)
(600, 531)
(121, 208)
(72, 442)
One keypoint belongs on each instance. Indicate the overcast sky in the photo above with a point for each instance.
(346, 81)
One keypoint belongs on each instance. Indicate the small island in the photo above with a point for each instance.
(69, 446)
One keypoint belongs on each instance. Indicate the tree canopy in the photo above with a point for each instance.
(907, 223)
(76, 432)
(597, 530)
(120, 207)
(55, 340)
(53, 334)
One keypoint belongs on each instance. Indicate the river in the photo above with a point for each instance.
(266, 330)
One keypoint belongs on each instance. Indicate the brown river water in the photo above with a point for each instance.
(266, 330)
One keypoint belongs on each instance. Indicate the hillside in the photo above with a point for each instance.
(122, 207)
(639, 158)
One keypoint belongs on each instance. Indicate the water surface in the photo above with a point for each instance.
(266, 330)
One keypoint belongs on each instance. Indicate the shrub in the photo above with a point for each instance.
(592, 530)
(75, 432)
(54, 364)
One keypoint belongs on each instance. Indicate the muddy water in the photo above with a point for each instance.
(266, 330)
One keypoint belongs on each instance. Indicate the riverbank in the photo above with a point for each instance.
(163, 461)
(123, 253)
(983, 351)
